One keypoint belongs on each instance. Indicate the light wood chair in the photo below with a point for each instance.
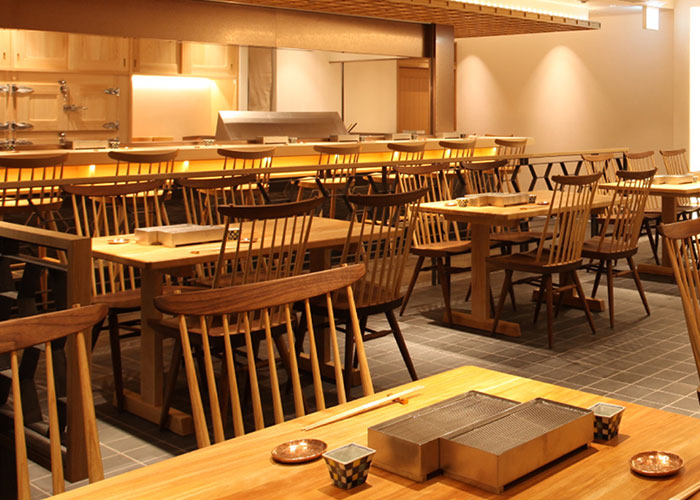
(337, 180)
(386, 181)
(263, 299)
(40, 202)
(510, 147)
(620, 233)
(682, 241)
(22, 333)
(640, 162)
(434, 237)
(116, 210)
(385, 223)
(604, 163)
(258, 158)
(143, 163)
(569, 211)
(676, 163)
(451, 149)
(202, 197)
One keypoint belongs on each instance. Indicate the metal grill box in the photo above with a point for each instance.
(499, 450)
(408, 445)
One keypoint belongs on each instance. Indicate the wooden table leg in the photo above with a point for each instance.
(570, 298)
(480, 316)
(668, 216)
(147, 404)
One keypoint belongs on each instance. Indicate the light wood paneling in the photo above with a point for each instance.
(158, 57)
(5, 49)
(413, 97)
(209, 59)
(43, 108)
(88, 91)
(39, 50)
(98, 53)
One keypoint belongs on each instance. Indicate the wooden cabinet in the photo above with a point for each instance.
(98, 53)
(42, 108)
(39, 50)
(156, 57)
(207, 59)
(93, 107)
(5, 49)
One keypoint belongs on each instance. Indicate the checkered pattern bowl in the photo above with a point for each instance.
(607, 420)
(349, 464)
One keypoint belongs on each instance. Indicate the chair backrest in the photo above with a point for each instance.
(604, 163)
(32, 168)
(260, 158)
(682, 241)
(215, 307)
(132, 163)
(640, 162)
(483, 177)
(203, 196)
(266, 242)
(509, 147)
(407, 151)
(624, 216)
(675, 161)
(430, 227)
(22, 333)
(458, 149)
(386, 223)
(337, 154)
(115, 210)
(565, 226)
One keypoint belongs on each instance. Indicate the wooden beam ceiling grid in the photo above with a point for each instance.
(468, 20)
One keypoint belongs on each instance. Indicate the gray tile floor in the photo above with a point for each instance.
(644, 359)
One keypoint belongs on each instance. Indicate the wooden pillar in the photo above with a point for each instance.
(440, 47)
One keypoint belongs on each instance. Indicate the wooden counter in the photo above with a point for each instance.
(242, 467)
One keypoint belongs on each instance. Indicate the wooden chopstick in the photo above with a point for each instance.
(687, 493)
(361, 409)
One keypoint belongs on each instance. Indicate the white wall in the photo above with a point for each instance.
(306, 81)
(370, 96)
(576, 90)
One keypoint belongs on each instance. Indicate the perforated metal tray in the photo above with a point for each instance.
(500, 449)
(408, 445)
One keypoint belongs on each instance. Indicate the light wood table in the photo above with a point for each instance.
(481, 219)
(669, 195)
(155, 261)
(242, 467)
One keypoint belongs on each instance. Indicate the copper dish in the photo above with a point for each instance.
(656, 463)
(299, 451)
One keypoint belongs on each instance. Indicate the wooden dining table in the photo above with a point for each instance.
(243, 468)
(669, 193)
(481, 219)
(153, 262)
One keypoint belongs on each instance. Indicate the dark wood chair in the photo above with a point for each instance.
(620, 233)
(116, 210)
(639, 162)
(258, 158)
(43, 329)
(682, 240)
(566, 221)
(273, 301)
(40, 202)
(337, 180)
(434, 237)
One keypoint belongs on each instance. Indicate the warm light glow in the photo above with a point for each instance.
(185, 165)
(148, 82)
(91, 169)
(650, 18)
(694, 86)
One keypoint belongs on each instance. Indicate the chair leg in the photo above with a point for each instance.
(560, 298)
(611, 292)
(550, 312)
(584, 302)
(414, 277)
(507, 283)
(469, 292)
(115, 348)
(653, 243)
(540, 295)
(638, 283)
(96, 333)
(398, 336)
(347, 366)
(596, 282)
(444, 278)
(173, 371)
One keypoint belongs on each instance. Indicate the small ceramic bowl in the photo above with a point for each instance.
(607, 420)
(349, 464)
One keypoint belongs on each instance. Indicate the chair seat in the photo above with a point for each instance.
(517, 237)
(441, 248)
(592, 249)
(131, 299)
(527, 262)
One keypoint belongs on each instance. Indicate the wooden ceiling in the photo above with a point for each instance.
(468, 20)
